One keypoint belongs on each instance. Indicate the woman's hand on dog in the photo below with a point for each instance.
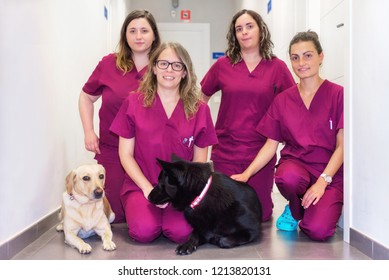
(242, 177)
(162, 206)
(146, 193)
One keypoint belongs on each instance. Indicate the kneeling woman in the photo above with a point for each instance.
(166, 116)
(308, 119)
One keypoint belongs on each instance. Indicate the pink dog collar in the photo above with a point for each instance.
(198, 199)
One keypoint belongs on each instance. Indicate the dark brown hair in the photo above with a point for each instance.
(124, 59)
(307, 36)
(265, 43)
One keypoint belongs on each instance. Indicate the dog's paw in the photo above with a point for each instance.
(84, 248)
(59, 227)
(109, 245)
(185, 249)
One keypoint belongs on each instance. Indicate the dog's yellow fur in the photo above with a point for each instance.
(85, 208)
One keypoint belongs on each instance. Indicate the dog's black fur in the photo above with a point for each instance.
(229, 215)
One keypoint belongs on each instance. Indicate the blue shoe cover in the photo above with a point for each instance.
(286, 221)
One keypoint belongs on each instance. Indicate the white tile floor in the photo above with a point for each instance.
(275, 245)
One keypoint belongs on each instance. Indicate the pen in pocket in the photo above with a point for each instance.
(330, 123)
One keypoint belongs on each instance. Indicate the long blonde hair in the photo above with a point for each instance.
(188, 90)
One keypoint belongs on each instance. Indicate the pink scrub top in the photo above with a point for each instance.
(245, 98)
(309, 134)
(114, 86)
(159, 137)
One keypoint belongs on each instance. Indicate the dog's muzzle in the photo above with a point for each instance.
(98, 193)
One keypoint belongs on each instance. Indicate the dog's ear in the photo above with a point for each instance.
(102, 172)
(176, 158)
(174, 170)
(164, 164)
(70, 180)
(102, 168)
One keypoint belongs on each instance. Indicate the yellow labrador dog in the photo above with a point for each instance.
(85, 209)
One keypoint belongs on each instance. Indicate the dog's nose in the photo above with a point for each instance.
(98, 193)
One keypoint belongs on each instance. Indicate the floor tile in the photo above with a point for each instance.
(274, 245)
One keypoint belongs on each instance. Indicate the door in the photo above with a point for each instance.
(195, 37)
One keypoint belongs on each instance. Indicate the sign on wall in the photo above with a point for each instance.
(185, 15)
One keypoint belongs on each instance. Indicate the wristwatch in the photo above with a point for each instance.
(327, 178)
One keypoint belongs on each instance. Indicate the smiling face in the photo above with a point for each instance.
(140, 35)
(170, 77)
(305, 59)
(247, 32)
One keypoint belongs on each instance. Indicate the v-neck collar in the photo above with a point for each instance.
(161, 108)
(315, 97)
(243, 67)
(246, 68)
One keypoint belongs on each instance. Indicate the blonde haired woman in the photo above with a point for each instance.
(165, 117)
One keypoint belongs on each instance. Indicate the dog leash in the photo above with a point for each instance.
(198, 199)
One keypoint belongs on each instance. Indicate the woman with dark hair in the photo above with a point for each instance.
(249, 77)
(165, 117)
(115, 76)
(308, 119)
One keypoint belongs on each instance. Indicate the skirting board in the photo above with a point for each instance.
(368, 246)
(15, 245)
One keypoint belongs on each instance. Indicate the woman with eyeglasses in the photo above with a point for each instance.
(308, 119)
(165, 117)
(115, 76)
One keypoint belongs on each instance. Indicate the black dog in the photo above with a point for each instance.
(221, 211)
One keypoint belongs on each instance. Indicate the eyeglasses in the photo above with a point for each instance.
(176, 66)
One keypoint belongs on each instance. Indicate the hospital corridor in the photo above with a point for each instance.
(48, 50)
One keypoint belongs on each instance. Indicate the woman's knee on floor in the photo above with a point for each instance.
(177, 234)
(144, 233)
(317, 231)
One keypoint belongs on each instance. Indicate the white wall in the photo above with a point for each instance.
(369, 115)
(47, 51)
(118, 11)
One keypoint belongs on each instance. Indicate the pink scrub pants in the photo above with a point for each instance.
(114, 178)
(262, 183)
(319, 221)
(147, 222)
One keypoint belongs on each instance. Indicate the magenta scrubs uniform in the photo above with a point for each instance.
(157, 136)
(310, 140)
(114, 86)
(245, 98)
